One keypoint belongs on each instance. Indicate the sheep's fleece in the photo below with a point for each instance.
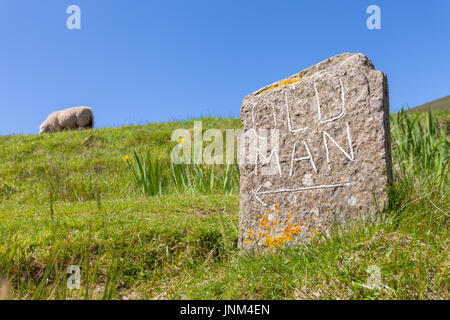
(69, 119)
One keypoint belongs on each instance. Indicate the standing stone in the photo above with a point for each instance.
(327, 157)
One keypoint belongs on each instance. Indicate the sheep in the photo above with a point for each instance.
(69, 119)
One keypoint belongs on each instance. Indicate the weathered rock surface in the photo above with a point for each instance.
(332, 161)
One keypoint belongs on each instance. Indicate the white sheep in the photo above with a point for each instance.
(69, 119)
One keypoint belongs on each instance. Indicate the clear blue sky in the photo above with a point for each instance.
(139, 61)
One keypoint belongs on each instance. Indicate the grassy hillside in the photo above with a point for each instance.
(442, 104)
(70, 199)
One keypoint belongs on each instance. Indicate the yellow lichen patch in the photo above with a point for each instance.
(277, 207)
(264, 221)
(279, 231)
(282, 83)
(314, 234)
(276, 228)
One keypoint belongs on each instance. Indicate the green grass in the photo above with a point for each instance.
(151, 178)
(147, 174)
(70, 199)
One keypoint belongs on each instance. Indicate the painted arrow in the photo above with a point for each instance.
(300, 189)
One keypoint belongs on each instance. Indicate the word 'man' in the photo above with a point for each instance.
(306, 154)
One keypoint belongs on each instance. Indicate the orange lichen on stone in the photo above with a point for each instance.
(272, 235)
(282, 83)
(276, 229)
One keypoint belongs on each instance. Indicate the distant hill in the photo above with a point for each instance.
(439, 104)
